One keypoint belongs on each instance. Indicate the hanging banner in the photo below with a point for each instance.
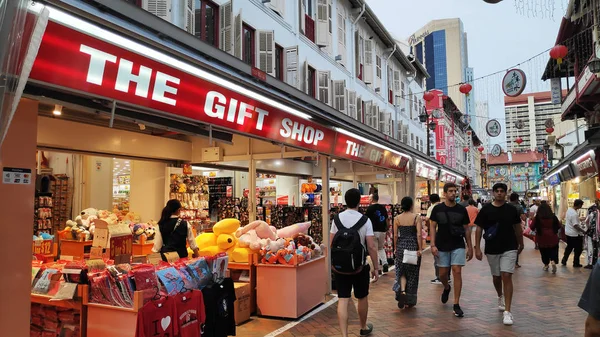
(493, 128)
(514, 82)
(556, 90)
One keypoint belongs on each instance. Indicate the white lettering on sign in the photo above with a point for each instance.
(354, 149)
(375, 156)
(217, 106)
(163, 83)
(586, 164)
(300, 132)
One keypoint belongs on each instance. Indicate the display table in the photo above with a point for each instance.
(290, 291)
(107, 320)
(237, 268)
(77, 303)
(142, 248)
(77, 249)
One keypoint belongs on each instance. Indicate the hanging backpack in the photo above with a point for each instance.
(348, 256)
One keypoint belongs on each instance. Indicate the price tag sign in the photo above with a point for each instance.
(120, 245)
(42, 247)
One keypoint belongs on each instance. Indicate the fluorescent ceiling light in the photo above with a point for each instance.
(348, 133)
(57, 110)
(200, 168)
(138, 48)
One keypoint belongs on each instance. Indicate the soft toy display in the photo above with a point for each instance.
(138, 230)
(223, 239)
(255, 235)
(294, 230)
(150, 232)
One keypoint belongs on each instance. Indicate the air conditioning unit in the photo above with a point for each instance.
(551, 140)
(212, 154)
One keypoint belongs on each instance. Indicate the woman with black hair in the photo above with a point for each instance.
(546, 226)
(173, 232)
(407, 232)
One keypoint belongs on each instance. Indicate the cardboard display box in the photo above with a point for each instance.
(242, 304)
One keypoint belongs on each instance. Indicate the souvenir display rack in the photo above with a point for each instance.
(61, 202)
(42, 216)
(192, 192)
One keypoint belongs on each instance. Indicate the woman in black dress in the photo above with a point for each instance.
(407, 235)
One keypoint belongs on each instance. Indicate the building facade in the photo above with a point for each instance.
(526, 117)
(329, 49)
(520, 171)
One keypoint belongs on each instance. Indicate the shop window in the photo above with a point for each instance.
(207, 22)
(248, 46)
(279, 62)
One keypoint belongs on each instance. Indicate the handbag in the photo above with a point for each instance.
(410, 257)
(491, 232)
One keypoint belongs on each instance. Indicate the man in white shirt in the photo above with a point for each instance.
(574, 232)
(345, 283)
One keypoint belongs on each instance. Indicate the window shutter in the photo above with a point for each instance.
(405, 134)
(266, 51)
(387, 124)
(397, 87)
(291, 67)
(342, 34)
(339, 96)
(323, 85)
(278, 6)
(160, 8)
(189, 16)
(378, 73)
(368, 112)
(359, 109)
(399, 128)
(368, 68)
(238, 35)
(351, 103)
(375, 116)
(357, 54)
(301, 15)
(306, 84)
(226, 27)
(322, 39)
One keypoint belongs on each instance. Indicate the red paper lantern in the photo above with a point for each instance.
(550, 130)
(466, 149)
(465, 88)
(428, 96)
(559, 52)
(519, 140)
(481, 148)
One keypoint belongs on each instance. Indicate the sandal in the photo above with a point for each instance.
(401, 300)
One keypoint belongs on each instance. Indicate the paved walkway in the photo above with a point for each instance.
(544, 305)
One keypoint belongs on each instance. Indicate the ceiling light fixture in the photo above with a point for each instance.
(57, 110)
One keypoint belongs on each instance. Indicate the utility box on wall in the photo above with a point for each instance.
(212, 154)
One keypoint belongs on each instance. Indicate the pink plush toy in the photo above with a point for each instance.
(249, 240)
(261, 228)
(293, 230)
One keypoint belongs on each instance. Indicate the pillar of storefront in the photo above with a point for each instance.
(325, 164)
(412, 187)
(395, 191)
(16, 214)
(251, 189)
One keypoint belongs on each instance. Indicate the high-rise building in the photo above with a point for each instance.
(530, 112)
(441, 45)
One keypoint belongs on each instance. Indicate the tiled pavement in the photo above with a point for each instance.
(544, 305)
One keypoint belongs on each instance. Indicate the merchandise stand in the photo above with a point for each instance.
(78, 303)
(107, 320)
(238, 268)
(299, 288)
(77, 249)
(144, 249)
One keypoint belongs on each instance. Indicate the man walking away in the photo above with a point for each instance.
(514, 200)
(449, 225)
(351, 237)
(574, 232)
(378, 215)
(434, 199)
(503, 243)
(465, 201)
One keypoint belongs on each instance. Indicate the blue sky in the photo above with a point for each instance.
(499, 36)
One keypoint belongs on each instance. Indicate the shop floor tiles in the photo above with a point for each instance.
(544, 305)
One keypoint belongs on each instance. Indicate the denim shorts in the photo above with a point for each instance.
(455, 257)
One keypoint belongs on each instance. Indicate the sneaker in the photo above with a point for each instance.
(501, 305)
(553, 268)
(401, 298)
(589, 266)
(546, 267)
(386, 268)
(563, 262)
(367, 331)
(508, 318)
(446, 294)
(458, 311)
(517, 265)
(436, 281)
(380, 273)
(577, 265)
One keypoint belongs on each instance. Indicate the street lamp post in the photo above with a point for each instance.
(429, 126)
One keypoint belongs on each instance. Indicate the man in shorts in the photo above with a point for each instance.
(449, 225)
(378, 215)
(503, 243)
(359, 282)
(590, 302)
(435, 200)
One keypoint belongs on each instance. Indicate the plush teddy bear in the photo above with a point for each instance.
(150, 233)
(138, 230)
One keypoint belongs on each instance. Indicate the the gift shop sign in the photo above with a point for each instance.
(351, 148)
(585, 165)
(127, 73)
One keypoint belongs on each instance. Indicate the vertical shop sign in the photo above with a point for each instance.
(556, 90)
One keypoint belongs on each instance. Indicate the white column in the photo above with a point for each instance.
(325, 215)
(252, 189)
(412, 187)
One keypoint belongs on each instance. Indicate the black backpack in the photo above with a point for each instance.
(348, 256)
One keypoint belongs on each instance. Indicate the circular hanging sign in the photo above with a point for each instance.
(514, 82)
(519, 124)
(526, 164)
(496, 150)
(493, 128)
(437, 113)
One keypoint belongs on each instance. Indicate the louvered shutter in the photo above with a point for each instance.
(238, 35)
(368, 67)
(189, 16)
(339, 95)
(323, 85)
(266, 51)
(291, 67)
(305, 77)
(351, 102)
(357, 53)
(322, 24)
(301, 15)
(160, 8)
(397, 93)
(342, 34)
(359, 109)
(226, 27)
(368, 112)
(375, 117)
(278, 6)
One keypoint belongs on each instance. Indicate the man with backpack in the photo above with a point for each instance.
(351, 237)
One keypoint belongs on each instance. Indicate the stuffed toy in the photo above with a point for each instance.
(182, 188)
(294, 230)
(150, 233)
(274, 245)
(249, 240)
(138, 230)
(261, 228)
(223, 239)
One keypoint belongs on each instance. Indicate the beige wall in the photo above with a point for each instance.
(72, 136)
(97, 183)
(147, 197)
(16, 213)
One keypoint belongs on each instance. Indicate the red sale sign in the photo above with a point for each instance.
(353, 149)
(74, 60)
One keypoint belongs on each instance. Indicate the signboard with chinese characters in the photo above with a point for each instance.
(514, 82)
(556, 90)
(493, 128)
